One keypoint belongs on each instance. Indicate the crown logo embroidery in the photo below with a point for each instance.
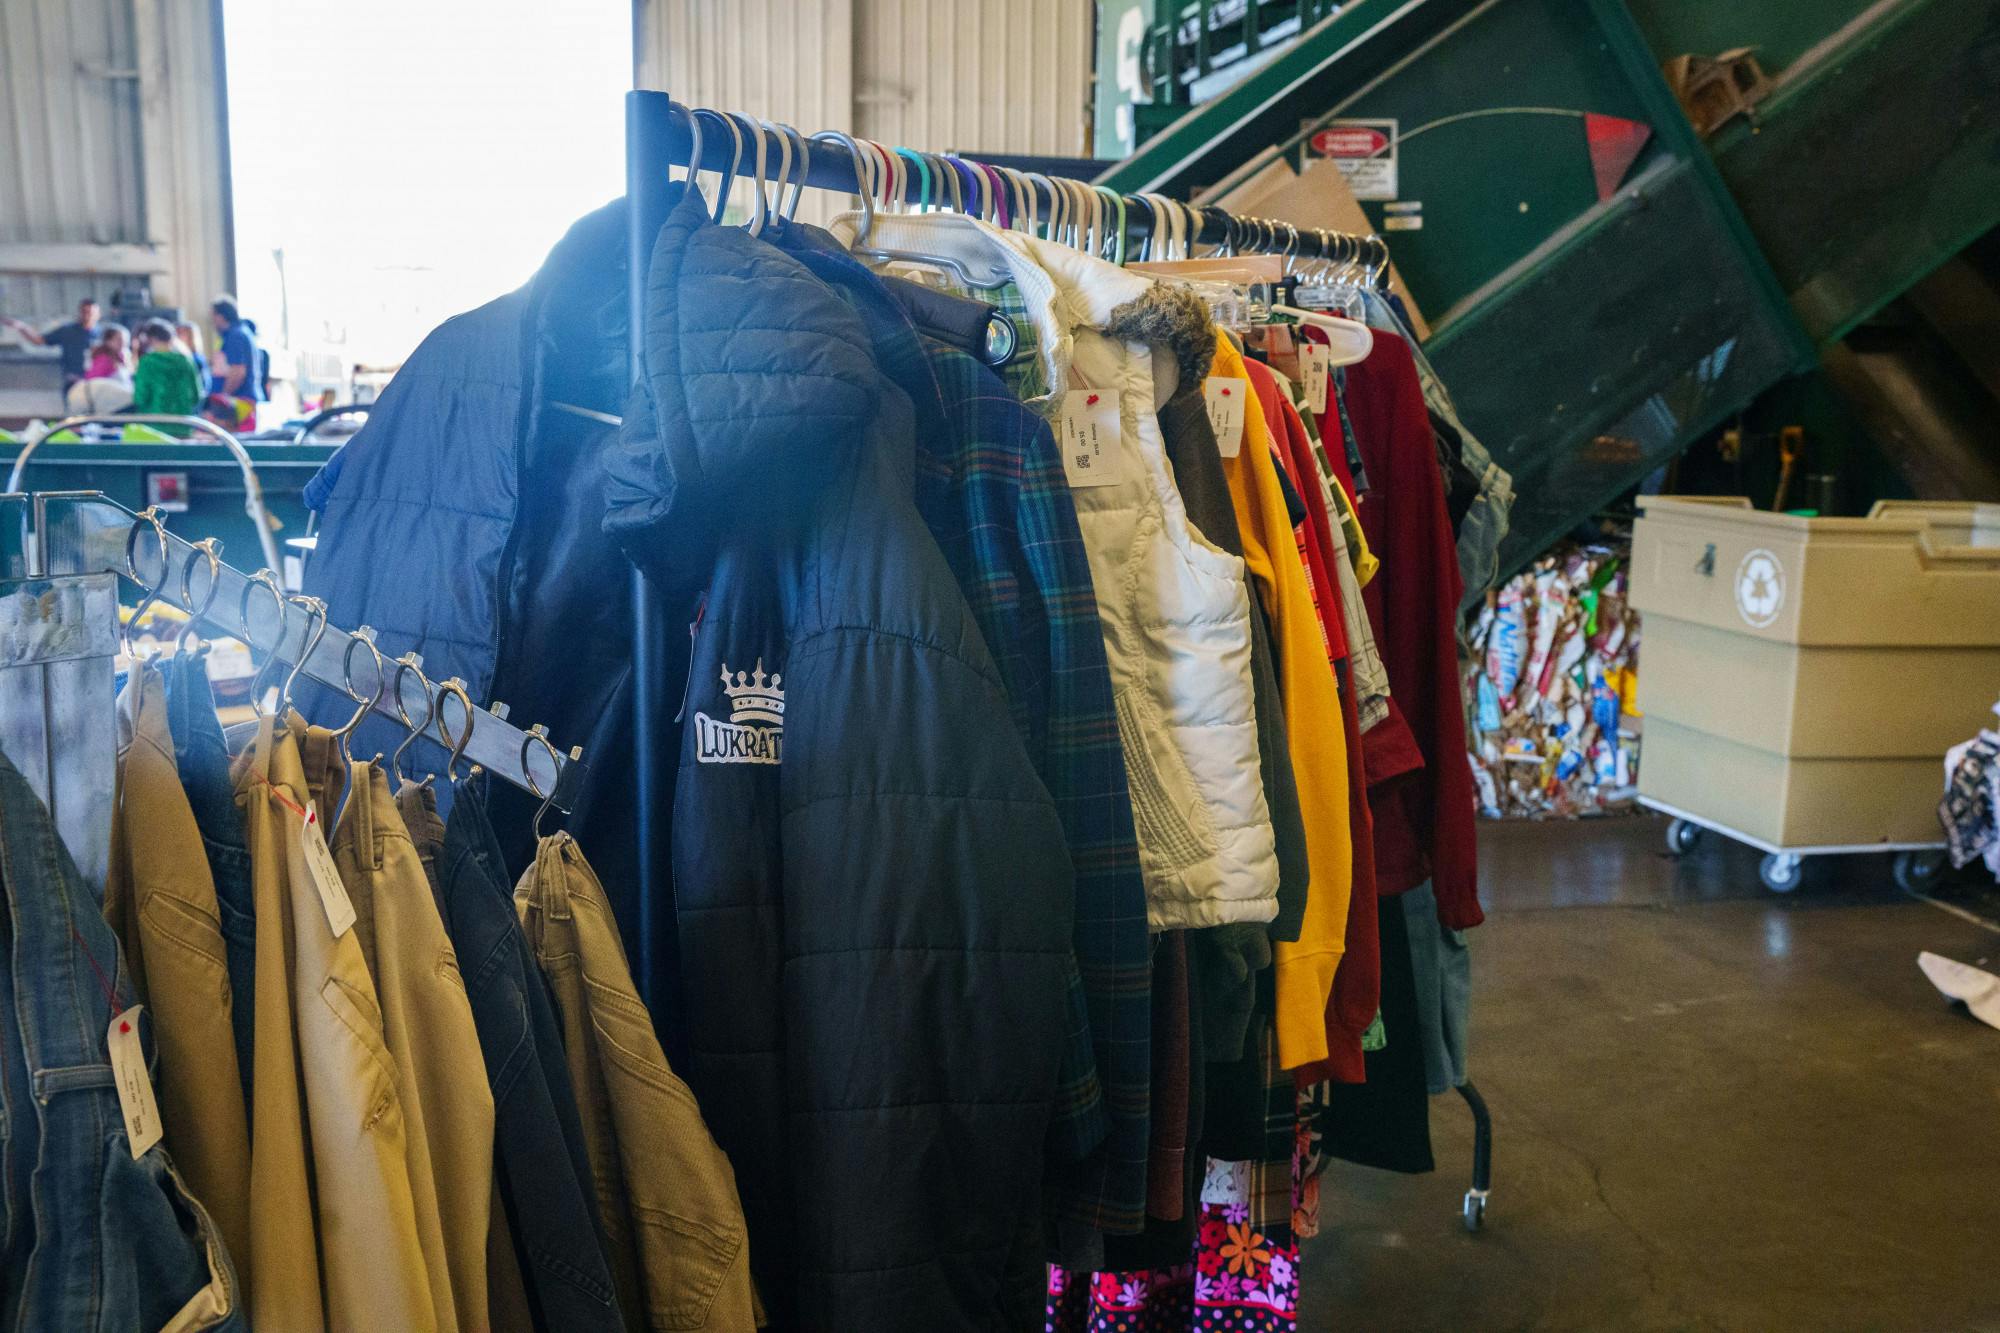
(751, 699)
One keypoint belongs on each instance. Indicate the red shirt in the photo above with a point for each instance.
(1423, 821)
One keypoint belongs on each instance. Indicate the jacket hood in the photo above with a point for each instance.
(757, 380)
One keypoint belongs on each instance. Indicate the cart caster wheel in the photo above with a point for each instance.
(1682, 835)
(1474, 1211)
(1917, 872)
(1780, 872)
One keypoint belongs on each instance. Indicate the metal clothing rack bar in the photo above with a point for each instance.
(660, 134)
(84, 532)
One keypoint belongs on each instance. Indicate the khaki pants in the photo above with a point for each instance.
(160, 900)
(667, 1197)
(336, 1217)
(427, 1019)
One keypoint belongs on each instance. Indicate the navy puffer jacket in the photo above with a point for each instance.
(873, 895)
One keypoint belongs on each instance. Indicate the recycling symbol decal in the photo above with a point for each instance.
(1760, 588)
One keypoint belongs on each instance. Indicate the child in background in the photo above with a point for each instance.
(109, 360)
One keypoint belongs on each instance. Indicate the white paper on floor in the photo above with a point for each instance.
(1979, 990)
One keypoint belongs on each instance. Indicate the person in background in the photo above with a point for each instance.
(236, 371)
(193, 344)
(106, 385)
(110, 360)
(164, 380)
(73, 339)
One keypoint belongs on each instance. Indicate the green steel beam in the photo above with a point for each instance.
(1329, 61)
(1875, 159)
(1670, 125)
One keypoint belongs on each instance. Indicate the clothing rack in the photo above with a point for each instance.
(660, 135)
(84, 532)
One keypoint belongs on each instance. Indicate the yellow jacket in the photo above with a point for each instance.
(1312, 727)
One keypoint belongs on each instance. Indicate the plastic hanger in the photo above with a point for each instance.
(1348, 340)
(726, 176)
(694, 145)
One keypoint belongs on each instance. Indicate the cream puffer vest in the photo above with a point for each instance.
(1175, 609)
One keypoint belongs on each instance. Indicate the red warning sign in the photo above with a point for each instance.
(1364, 151)
(1350, 141)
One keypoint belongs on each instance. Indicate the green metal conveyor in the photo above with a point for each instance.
(1586, 339)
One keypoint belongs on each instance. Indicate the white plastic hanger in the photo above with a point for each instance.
(1348, 340)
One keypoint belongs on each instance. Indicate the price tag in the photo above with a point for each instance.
(1087, 428)
(1228, 399)
(326, 876)
(1315, 368)
(135, 1085)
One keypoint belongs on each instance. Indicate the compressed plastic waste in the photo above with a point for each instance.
(1553, 679)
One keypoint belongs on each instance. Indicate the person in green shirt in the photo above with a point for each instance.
(165, 380)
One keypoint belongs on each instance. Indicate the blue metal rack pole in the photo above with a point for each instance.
(648, 120)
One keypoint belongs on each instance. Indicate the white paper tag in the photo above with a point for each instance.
(135, 1085)
(1228, 398)
(1087, 428)
(326, 876)
(1315, 364)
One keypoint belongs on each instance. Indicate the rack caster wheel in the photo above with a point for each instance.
(1474, 1210)
(1780, 872)
(1918, 872)
(1682, 835)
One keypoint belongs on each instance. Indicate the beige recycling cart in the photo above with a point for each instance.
(1802, 678)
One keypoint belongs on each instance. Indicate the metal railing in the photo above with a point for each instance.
(253, 491)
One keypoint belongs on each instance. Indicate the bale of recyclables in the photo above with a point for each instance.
(1552, 684)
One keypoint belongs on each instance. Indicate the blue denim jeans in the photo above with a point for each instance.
(545, 1180)
(202, 756)
(94, 1240)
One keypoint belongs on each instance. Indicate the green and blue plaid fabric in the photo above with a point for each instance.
(993, 491)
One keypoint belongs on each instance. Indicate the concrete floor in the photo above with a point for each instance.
(1713, 1108)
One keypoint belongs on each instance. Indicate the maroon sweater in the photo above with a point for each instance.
(1423, 820)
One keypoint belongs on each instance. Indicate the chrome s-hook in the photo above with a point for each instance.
(150, 514)
(455, 688)
(268, 581)
(361, 638)
(410, 662)
(540, 733)
(210, 547)
(315, 631)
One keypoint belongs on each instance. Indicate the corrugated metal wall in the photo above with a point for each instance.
(998, 76)
(110, 136)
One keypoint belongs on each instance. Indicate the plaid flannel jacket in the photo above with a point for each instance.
(993, 492)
